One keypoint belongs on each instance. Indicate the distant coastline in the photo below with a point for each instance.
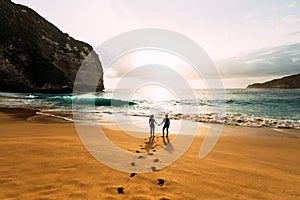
(287, 82)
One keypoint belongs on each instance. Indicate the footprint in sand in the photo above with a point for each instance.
(132, 175)
(160, 182)
(120, 190)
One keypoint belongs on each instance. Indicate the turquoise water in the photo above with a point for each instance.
(247, 107)
(280, 104)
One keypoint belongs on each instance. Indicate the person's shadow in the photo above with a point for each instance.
(150, 144)
(168, 145)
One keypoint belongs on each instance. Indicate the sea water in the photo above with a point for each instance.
(279, 108)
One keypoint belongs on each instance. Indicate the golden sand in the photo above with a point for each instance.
(45, 159)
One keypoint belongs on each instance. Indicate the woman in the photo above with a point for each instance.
(152, 123)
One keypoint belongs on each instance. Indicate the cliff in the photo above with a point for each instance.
(288, 82)
(35, 56)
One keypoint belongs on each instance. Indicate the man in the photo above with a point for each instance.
(166, 122)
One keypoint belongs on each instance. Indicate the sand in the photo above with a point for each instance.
(42, 158)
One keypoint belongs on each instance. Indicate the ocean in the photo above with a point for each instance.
(277, 108)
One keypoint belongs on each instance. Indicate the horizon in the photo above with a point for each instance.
(249, 42)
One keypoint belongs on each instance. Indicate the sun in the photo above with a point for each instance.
(153, 93)
(160, 57)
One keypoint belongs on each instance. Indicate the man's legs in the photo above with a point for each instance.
(167, 131)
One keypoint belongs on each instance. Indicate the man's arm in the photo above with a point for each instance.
(163, 121)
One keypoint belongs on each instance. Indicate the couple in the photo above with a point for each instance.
(152, 123)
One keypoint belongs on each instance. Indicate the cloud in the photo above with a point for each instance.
(276, 61)
(294, 33)
(291, 18)
(292, 4)
(251, 15)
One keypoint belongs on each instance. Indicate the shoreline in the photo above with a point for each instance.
(246, 111)
(39, 116)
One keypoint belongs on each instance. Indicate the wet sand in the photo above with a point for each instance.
(43, 158)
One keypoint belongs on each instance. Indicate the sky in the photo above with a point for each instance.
(248, 40)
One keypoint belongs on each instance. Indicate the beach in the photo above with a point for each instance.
(43, 158)
(87, 91)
